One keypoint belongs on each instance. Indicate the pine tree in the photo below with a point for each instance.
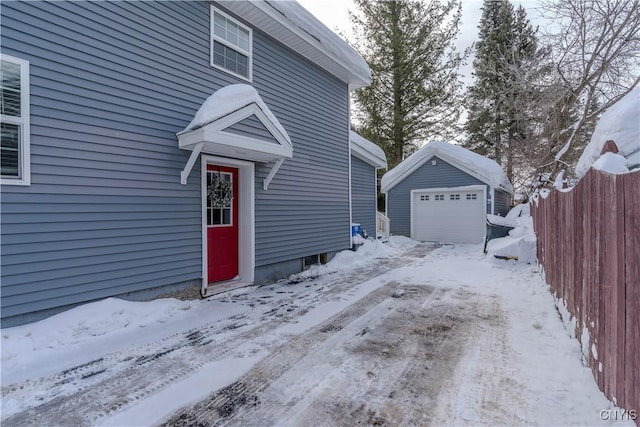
(415, 89)
(502, 100)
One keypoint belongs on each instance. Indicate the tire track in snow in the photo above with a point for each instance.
(404, 349)
(85, 393)
(224, 403)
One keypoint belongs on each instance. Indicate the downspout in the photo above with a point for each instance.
(349, 156)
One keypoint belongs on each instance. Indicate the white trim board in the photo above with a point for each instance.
(246, 217)
(24, 123)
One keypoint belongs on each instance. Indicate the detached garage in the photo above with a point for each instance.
(443, 192)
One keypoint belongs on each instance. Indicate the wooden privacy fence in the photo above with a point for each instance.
(589, 247)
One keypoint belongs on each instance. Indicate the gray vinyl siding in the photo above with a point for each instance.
(502, 203)
(363, 195)
(441, 175)
(305, 211)
(111, 84)
(253, 128)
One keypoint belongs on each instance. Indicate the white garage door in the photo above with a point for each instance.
(450, 216)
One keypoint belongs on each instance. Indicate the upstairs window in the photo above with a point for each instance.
(14, 118)
(231, 45)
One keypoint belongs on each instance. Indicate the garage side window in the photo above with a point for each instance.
(14, 117)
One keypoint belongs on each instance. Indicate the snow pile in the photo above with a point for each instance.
(476, 165)
(620, 124)
(500, 220)
(79, 324)
(87, 331)
(520, 244)
(611, 163)
(521, 210)
(358, 239)
(370, 251)
(225, 101)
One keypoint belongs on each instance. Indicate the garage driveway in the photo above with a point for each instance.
(385, 360)
(411, 336)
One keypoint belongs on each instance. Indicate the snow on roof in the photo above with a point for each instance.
(225, 101)
(367, 150)
(474, 164)
(618, 123)
(611, 163)
(300, 30)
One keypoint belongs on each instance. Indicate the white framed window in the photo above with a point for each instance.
(454, 197)
(424, 198)
(15, 166)
(231, 45)
(471, 197)
(220, 188)
(439, 196)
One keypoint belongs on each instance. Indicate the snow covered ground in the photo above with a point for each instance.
(393, 334)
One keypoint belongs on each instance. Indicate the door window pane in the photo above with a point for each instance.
(219, 198)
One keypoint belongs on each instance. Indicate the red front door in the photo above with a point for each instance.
(222, 223)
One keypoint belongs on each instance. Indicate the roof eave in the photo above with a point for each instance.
(267, 19)
(385, 188)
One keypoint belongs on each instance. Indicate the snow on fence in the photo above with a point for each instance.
(589, 247)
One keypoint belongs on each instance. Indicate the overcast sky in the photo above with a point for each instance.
(334, 14)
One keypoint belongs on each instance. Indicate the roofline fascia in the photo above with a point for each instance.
(360, 81)
(367, 156)
(446, 158)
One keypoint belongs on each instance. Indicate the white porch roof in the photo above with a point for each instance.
(227, 106)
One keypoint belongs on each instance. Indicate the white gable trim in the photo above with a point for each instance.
(212, 139)
(398, 179)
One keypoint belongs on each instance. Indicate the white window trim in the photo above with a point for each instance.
(212, 37)
(24, 121)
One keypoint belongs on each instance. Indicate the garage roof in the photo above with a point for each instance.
(483, 168)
